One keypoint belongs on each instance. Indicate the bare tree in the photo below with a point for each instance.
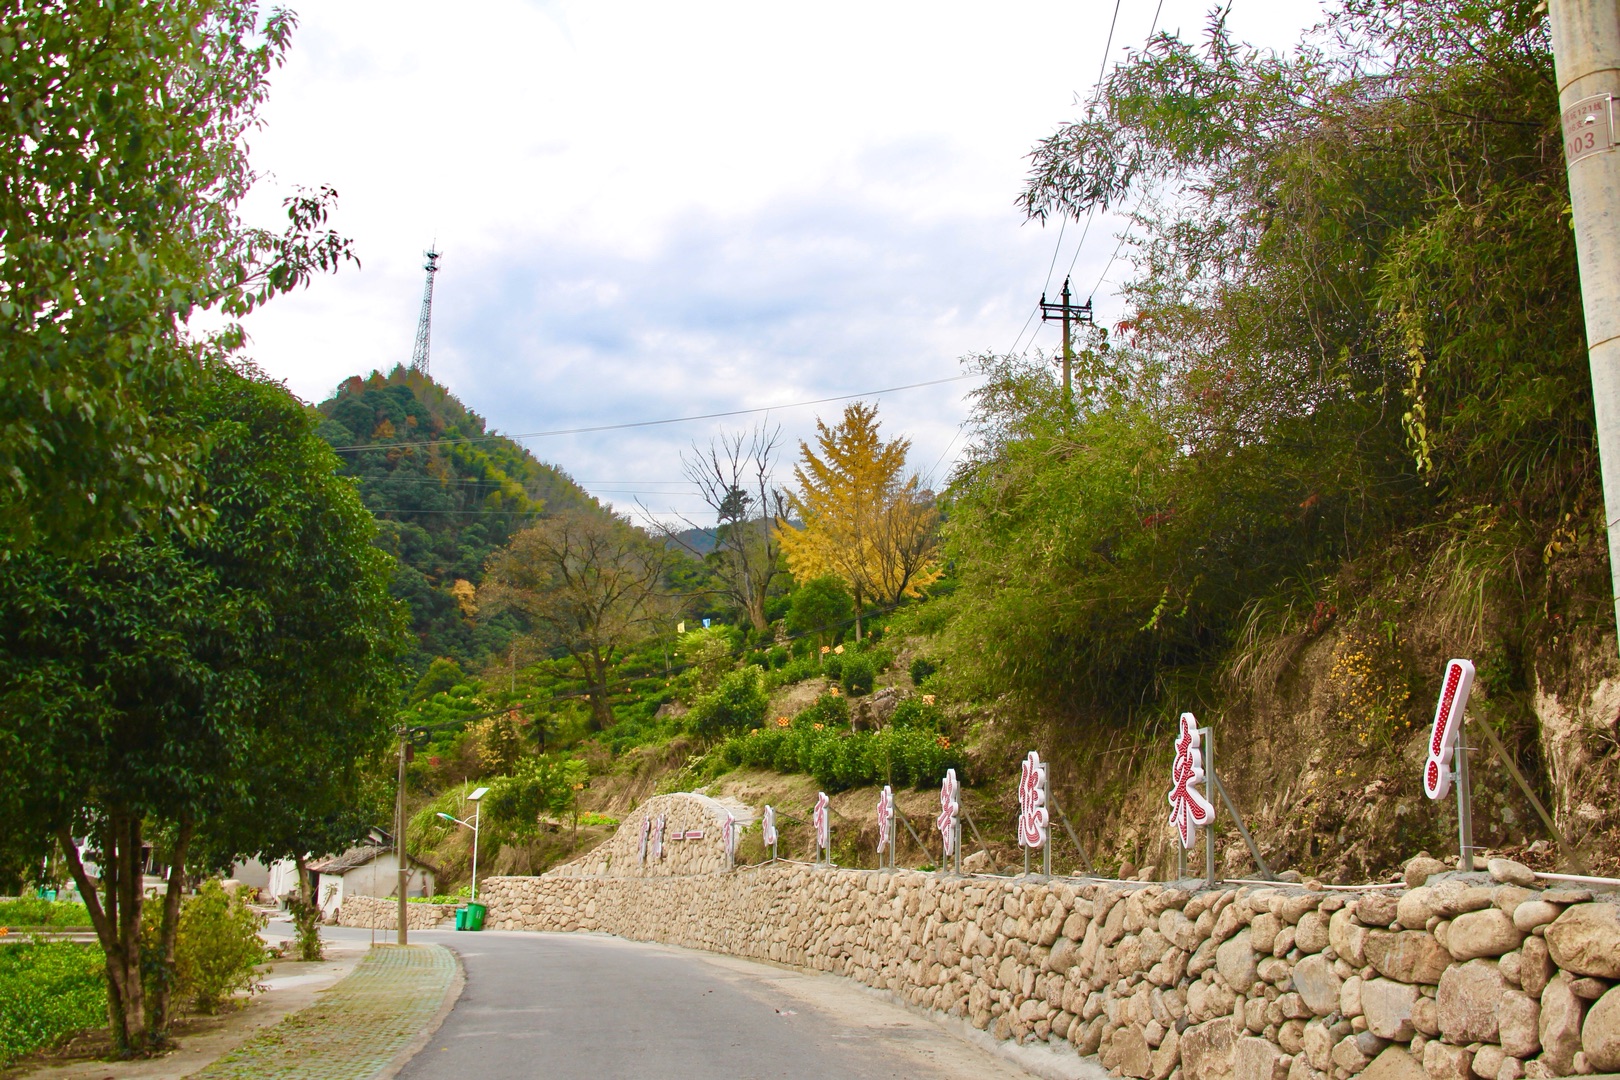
(591, 584)
(734, 477)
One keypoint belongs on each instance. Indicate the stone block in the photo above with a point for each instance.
(1519, 1024)
(1484, 933)
(1318, 984)
(1411, 956)
(1600, 1033)
(1263, 931)
(1535, 966)
(1131, 1052)
(1207, 1049)
(1533, 913)
(1235, 959)
(1348, 937)
(1487, 1062)
(1258, 1059)
(1585, 940)
(1445, 1062)
(1311, 934)
(1350, 996)
(1302, 1069)
(1421, 869)
(1469, 994)
(1561, 1016)
(1350, 1055)
(1377, 909)
(1413, 908)
(1394, 1063)
(1509, 872)
(1388, 1005)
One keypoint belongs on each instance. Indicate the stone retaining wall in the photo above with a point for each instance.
(382, 913)
(1461, 977)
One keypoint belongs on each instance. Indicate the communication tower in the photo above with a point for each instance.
(424, 326)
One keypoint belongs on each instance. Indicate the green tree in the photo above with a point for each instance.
(589, 584)
(124, 159)
(197, 687)
(821, 606)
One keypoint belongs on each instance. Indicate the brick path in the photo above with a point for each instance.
(356, 1028)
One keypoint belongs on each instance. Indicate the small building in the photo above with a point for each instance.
(367, 870)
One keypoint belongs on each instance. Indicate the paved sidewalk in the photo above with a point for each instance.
(358, 1028)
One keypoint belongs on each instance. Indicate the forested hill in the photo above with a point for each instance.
(444, 502)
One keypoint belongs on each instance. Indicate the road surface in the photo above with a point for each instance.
(585, 1007)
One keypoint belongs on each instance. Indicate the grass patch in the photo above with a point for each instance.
(48, 990)
(31, 911)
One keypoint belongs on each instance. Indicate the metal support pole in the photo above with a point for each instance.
(1085, 858)
(478, 809)
(956, 849)
(1465, 803)
(1046, 774)
(1208, 735)
(1586, 59)
(1243, 830)
(399, 828)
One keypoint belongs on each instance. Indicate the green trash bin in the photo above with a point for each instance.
(475, 915)
(461, 918)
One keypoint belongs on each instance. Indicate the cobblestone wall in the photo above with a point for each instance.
(1463, 976)
(382, 913)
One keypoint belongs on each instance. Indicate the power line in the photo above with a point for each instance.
(653, 423)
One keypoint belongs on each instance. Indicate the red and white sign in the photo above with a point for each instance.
(821, 821)
(1188, 807)
(885, 814)
(950, 803)
(646, 831)
(768, 826)
(657, 849)
(1032, 814)
(1448, 718)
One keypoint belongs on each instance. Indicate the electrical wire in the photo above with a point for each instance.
(652, 423)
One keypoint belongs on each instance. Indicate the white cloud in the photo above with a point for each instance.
(652, 210)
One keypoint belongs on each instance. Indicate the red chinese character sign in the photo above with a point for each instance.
(821, 821)
(950, 804)
(1188, 807)
(646, 832)
(768, 827)
(1032, 813)
(1448, 718)
(656, 849)
(885, 818)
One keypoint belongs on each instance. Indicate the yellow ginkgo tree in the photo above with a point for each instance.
(865, 520)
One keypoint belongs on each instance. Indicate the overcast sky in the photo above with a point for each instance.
(652, 210)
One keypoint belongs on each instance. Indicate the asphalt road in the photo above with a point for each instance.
(567, 1006)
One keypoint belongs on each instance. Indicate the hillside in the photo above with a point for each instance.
(446, 491)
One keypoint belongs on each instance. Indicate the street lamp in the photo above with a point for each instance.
(473, 825)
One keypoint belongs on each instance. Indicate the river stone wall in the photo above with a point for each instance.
(382, 913)
(1464, 976)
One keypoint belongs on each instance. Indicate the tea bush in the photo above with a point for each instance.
(48, 990)
(32, 911)
(858, 675)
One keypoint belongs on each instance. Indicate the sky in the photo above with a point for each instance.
(649, 210)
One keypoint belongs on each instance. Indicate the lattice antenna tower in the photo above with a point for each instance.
(424, 325)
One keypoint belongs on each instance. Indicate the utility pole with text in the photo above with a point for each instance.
(399, 836)
(1586, 58)
(1068, 313)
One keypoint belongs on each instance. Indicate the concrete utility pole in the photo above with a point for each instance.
(399, 836)
(1586, 57)
(1069, 314)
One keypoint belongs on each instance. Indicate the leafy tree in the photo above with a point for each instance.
(863, 519)
(125, 157)
(197, 688)
(590, 585)
(542, 784)
(737, 703)
(820, 606)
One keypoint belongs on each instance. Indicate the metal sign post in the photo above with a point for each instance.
(1465, 803)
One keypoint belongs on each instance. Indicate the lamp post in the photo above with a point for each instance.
(473, 825)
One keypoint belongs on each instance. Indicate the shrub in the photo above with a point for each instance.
(921, 668)
(707, 653)
(821, 606)
(737, 703)
(832, 665)
(793, 671)
(541, 784)
(776, 657)
(32, 911)
(217, 947)
(306, 920)
(48, 990)
(829, 710)
(913, 714)
(858, 674)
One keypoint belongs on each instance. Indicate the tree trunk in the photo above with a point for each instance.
(158, 1019)
(117, 922)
